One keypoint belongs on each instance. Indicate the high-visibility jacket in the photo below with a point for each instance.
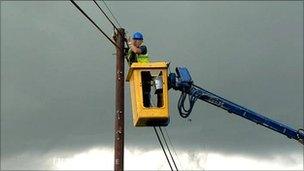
(142, 58)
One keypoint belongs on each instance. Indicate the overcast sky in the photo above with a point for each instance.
(57, 83)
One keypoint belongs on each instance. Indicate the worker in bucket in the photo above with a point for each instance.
(138, 53)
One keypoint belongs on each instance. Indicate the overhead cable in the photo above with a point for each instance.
(168, 148)
(173, 147)
(110, 20)
(77, 6)
(105, 15)
(162, 146)
(111, 13)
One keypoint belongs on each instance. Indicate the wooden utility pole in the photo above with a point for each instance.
(119, 110)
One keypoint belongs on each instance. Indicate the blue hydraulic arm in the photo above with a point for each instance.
(182, 81)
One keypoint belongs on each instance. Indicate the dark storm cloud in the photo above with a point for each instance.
(57, 73)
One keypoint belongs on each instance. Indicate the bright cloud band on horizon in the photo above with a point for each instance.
(138, 159)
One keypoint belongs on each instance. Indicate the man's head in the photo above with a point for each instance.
(138, 39)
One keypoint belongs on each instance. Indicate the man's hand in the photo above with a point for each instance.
(130, 41)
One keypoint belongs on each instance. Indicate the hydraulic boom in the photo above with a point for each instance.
(182, 81)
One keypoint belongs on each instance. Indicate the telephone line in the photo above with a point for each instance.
(105, 15)
(77, 6)
(173, 147)
(168, 148)
(162, 146)
(111, 13)
(109, 20)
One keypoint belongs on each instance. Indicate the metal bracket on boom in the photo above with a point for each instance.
(181, 81)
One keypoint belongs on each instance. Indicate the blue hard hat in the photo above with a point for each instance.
(138, 36)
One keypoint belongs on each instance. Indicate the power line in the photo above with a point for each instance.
(168, 147)
(105, 15)
(111, 13)
(110, 20)
(95, 24)
(161, 144)
(173, 147)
